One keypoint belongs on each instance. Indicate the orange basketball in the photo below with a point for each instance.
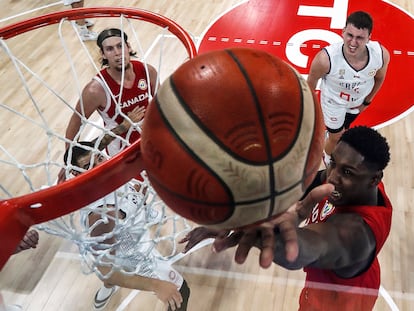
(232, 138)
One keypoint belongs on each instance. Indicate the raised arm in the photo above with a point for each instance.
(134, 116)
(344, 243)
(165, 291)
(93, 97)
(281, 231)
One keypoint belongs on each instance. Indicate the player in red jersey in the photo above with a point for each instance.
(347, 220)
(104, 94)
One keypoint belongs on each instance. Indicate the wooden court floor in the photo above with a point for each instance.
(49, 278)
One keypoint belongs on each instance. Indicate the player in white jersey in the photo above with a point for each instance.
(352, 72)
(82, 24)
(121, 251)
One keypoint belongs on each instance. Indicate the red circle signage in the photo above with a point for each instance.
(296, 30)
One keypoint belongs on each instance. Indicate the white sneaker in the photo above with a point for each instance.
(86, 34)
(89, 22)
(99, 303)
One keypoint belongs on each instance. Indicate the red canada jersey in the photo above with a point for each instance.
(324, 290)
(120, 102)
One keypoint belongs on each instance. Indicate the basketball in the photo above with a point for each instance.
(232, 138)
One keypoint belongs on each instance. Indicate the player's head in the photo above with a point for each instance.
(356, 33)
(80, 156)
(370, 144)
(111, 33)
(360, 20)
(357, 165)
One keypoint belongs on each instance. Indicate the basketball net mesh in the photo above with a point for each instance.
(37, 109)
(148, 232)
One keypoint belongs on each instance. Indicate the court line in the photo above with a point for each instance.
(387, 295)
(31, 11)
(388, 299)
(282, 280)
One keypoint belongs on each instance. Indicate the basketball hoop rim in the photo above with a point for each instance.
(17, 214)
(119, 169)
(15, 29)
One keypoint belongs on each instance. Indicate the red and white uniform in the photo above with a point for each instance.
(324, 290)
(120, 102)
(343, 88)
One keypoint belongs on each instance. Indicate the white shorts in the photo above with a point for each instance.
(334, 114)
(69, 2)
(166, 273)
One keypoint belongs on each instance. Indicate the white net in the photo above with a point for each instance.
(143, 231)
(42, 75)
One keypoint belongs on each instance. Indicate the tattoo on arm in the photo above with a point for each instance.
(107, 139)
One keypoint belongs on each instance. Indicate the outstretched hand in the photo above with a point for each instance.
(263, 235)
(199, 234)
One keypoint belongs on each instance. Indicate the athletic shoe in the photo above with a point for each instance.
(86, 34)
(100, 304)
(89, 36)
(89, 22)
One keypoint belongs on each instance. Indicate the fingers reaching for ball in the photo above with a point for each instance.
(199, 234)
(281, 230)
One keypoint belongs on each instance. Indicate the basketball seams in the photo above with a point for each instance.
(312, 161)
(288, 166)
(166, 115)
(277, 114)
(308, 101)
(265, 135)
(256, 103)
(206, 130)
(209, 154)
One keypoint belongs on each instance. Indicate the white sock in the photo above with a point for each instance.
(326, 158)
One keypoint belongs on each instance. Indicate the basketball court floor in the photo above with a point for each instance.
(49, 277)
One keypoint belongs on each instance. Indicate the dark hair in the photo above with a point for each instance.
(77, 152)
(361, 20)
(111, 32)
(370, 144)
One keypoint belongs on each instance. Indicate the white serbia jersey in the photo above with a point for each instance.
(134, 252)
(345, 86)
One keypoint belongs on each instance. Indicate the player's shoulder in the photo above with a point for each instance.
(94, 87)
(378, 51)
(334, 48)
(375, 46)
(138, 64)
